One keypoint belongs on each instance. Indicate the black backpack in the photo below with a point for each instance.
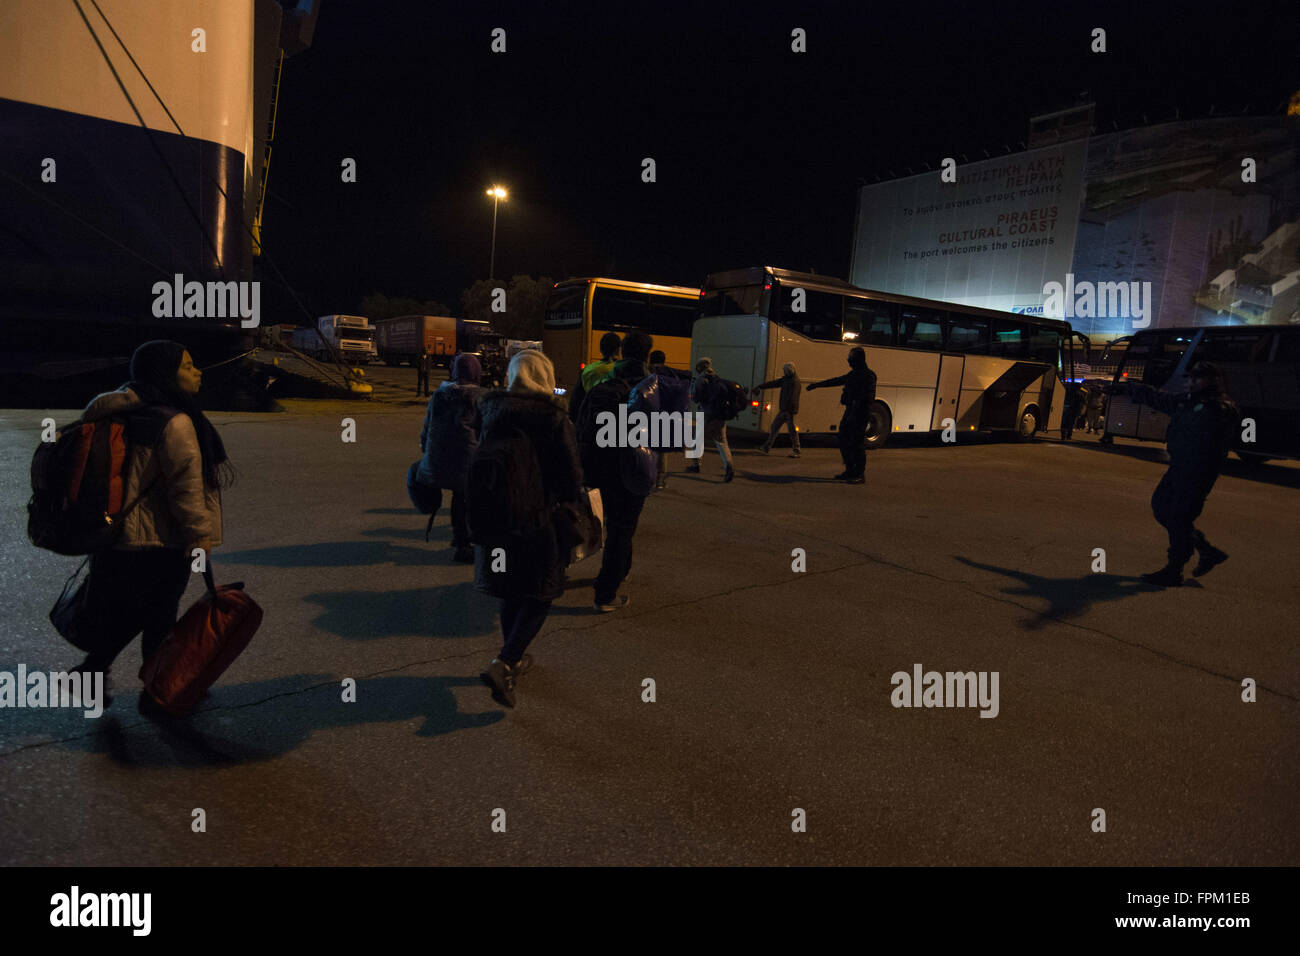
(507, 499)
(730, 398)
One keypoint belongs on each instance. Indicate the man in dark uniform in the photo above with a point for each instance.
(858, 394)
(1201, 426)
(424, 366)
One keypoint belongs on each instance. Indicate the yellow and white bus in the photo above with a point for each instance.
(985, 370)
(580, 311)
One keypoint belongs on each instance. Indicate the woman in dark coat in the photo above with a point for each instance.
(448, 440)
(529, 574)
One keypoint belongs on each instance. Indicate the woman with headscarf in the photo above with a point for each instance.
(176, 466)
(448, 440)
(533, 572)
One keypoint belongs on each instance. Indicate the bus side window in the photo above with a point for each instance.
(876, 320)
(618, 310)
(1045, 345)
(1010, 340)
(920, 328)
(821, 317)
(966, 333)
(854, 314)
(1288, 347)
(670, 315)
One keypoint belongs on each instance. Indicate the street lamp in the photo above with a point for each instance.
(497, 194)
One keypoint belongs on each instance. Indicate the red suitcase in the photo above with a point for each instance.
(204, 642)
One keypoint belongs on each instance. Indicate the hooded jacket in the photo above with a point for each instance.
(450, 435)
(179, 510)
(534, 567)
(790, 389)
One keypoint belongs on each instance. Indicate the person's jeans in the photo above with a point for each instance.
(622, 512)
(784, 418)
(521, 619)
(130, 592)
(715, 430)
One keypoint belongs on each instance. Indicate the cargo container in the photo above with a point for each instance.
(404, 338)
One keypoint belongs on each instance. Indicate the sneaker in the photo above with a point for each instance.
(1211, 557)
(855, 480)
(1167, 577)
(794, 454)
(765, 449)
(619, 602)
(524, 665)
(693, 469)
(463, 556)
(842, 476)
(729, 475)
(500, 678)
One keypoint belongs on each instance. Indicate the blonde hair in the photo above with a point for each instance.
(531, 371)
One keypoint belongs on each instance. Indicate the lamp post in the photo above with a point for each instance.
(497, 194)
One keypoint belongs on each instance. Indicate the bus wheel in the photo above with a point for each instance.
(1252, 459)
(1028, 423)
(879, 422)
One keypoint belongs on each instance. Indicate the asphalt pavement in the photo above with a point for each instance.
(773, 686)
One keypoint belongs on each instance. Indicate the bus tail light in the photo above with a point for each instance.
(767, 407)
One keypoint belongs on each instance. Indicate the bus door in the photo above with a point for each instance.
(947, 390)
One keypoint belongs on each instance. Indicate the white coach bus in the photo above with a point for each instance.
(988, 371)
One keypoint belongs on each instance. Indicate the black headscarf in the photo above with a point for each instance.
(153, 377)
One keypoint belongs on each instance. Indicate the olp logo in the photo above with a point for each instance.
(1088, 299)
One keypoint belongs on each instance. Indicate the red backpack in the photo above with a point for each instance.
(78, 482)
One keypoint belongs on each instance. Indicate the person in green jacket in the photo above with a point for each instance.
(595, 372)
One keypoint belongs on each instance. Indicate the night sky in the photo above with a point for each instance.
(760, 151)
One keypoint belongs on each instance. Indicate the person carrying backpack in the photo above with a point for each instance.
(621, 497)
(526, 465)
(176, 468)
(859, 391)
(593, 372)
(786, 410)
(448, 440)
(707, 391)
(658, 367)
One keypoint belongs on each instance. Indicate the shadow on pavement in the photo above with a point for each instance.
(337, 554)
(1270, 473)
(1066, 597)
(452, 611)
(223, 736)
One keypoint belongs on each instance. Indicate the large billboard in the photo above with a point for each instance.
(993, 238)
(1187, 223)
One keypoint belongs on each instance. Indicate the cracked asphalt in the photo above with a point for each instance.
(773, 687)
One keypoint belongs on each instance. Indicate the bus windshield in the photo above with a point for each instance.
(740, 300)
(1152, 357)
(565, 308)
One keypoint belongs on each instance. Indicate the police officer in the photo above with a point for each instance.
(1200, 433)
(858, 393)
(422, 375)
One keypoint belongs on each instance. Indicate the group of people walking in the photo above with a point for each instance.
(177, 467)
